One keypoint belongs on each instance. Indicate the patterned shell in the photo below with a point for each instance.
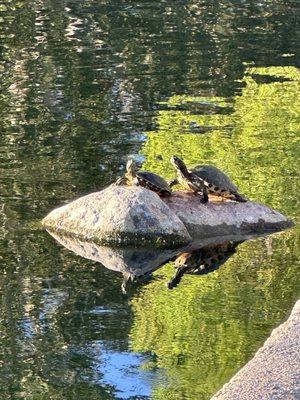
(215, 176)
(154, 180)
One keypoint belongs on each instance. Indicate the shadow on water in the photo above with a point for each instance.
(86, 85)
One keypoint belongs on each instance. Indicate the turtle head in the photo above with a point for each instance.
(131, 167)
(178, 164)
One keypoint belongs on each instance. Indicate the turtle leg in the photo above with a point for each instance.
(198, 186)
(233, 196)
(173, 182)
(227, 194)
(204, 198)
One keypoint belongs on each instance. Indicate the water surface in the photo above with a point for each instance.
(87, 85)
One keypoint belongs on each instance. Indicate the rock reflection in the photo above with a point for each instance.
(137, 264)
(132, 263)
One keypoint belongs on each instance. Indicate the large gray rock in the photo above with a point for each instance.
(274, 371)
(135, 216)
(120, 215)
(220, 218)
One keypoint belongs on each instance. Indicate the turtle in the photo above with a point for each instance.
(202, 261)
(146, 179)
(212, 178)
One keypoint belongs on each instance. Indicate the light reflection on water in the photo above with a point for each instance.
(124, 371)
(84, 86)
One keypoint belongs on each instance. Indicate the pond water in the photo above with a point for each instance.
(86, 85)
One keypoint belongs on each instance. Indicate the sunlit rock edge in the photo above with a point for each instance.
(135, 216)
(120, 216)
(274, 370)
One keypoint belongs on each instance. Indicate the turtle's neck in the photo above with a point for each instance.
(183, 171)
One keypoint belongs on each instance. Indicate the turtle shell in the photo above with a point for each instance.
(153, 181)
(215, 176)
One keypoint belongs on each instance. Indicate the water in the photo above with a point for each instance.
(86, 85)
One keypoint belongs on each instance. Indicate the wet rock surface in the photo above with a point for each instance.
(273, 373)
(135, 216)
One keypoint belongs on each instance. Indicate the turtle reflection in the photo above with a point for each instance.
(202, 261)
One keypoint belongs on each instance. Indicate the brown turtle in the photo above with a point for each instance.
(205, 179)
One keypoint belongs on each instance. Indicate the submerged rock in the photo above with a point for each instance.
(122, 216)
(135, 216)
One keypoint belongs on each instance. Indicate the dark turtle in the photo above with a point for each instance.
(215, 181)
(146, 179)
(202, 261)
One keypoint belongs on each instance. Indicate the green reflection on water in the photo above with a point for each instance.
(207, 328)
(257, 144)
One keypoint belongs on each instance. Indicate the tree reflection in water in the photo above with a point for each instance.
(84, 85)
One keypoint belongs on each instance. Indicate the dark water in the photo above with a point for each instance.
(86, 85)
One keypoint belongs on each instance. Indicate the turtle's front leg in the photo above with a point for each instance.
(173, 182)
(203, 195)
(204, 198)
